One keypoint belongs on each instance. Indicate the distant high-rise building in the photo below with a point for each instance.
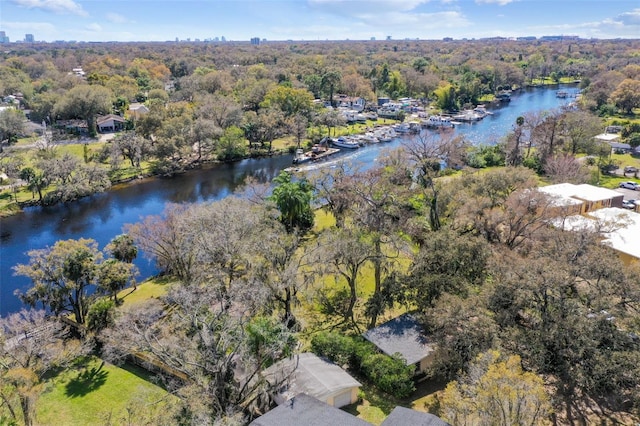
(28, 38)
(223, 38)
(388, 37)
(255, 40)
(3, 37)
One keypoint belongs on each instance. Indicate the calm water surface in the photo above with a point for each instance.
(101, 217)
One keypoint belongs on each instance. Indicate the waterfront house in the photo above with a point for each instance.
(110, 123)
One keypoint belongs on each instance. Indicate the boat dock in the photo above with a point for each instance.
(316, 154)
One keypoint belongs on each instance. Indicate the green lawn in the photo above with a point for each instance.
(93, 392)
(152, 288)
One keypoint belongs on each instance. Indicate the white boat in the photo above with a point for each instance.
(301, 156)
(438, 122)
(481, 110)
(343, 142)
(383, 135)
(468, 115)
(370, 137)
(402, 128)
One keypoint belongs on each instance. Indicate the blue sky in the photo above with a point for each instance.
(161, 20)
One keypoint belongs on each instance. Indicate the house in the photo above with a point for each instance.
(401, 416)
(619, 147)
(305, 410)
(110, 123)
(137, 110)
(403, 335)
(310, 374)
(354, 103)
(78, 127)
(618, 228)
(584, 198)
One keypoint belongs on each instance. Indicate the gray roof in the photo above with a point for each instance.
(304, 410)
(401, 416)
(310, 374)
(403, 335)
(619, 145)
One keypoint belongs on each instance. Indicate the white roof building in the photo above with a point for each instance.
(619, 229)
(591, 197)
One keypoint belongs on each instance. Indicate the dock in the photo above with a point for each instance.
(316, 154)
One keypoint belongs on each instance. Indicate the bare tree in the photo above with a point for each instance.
(204, 355)
(31, 346)
(566, 168)
(343, 253)
(428, 154)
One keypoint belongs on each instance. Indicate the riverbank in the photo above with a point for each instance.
(16, 197)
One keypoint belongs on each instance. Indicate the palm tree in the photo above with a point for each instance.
(293, 200)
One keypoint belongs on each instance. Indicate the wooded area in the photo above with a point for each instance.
(522, 313)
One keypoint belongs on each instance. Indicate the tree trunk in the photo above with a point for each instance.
(352, 301)
(377, 273)
(26, 410)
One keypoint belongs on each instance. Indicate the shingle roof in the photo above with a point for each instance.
(309, 374)
(108, 117)
(401, 416)
(304, 410)
(403, 335)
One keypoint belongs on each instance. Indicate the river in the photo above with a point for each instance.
(102, 216)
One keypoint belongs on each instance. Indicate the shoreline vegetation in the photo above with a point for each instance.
(281, 146)
(11, 205)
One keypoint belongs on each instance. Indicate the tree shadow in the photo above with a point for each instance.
(88, 380)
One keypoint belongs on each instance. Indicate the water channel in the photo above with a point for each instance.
(102, 216)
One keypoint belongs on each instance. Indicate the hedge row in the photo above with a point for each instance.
(389, 374)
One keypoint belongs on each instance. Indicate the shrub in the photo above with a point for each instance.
(338, 348)
(101, 315)
(389, 374)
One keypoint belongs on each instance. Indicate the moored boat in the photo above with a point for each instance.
(317, 152)
(343, 142)
(438, 122)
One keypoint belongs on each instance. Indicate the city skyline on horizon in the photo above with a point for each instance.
(310, 20)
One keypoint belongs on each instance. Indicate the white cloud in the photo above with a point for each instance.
(365, 25)
(629, 18)
(352, 6)
(95, 27)
(117, 18)
(499, 2)
(56, 6)
(624, 25)
(39, 27)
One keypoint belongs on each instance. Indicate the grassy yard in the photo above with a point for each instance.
(374, 406)
(152, 288)
(94, 392)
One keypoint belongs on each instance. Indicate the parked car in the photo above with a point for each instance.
(630, 169)
(628, 204)
(630, 185)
